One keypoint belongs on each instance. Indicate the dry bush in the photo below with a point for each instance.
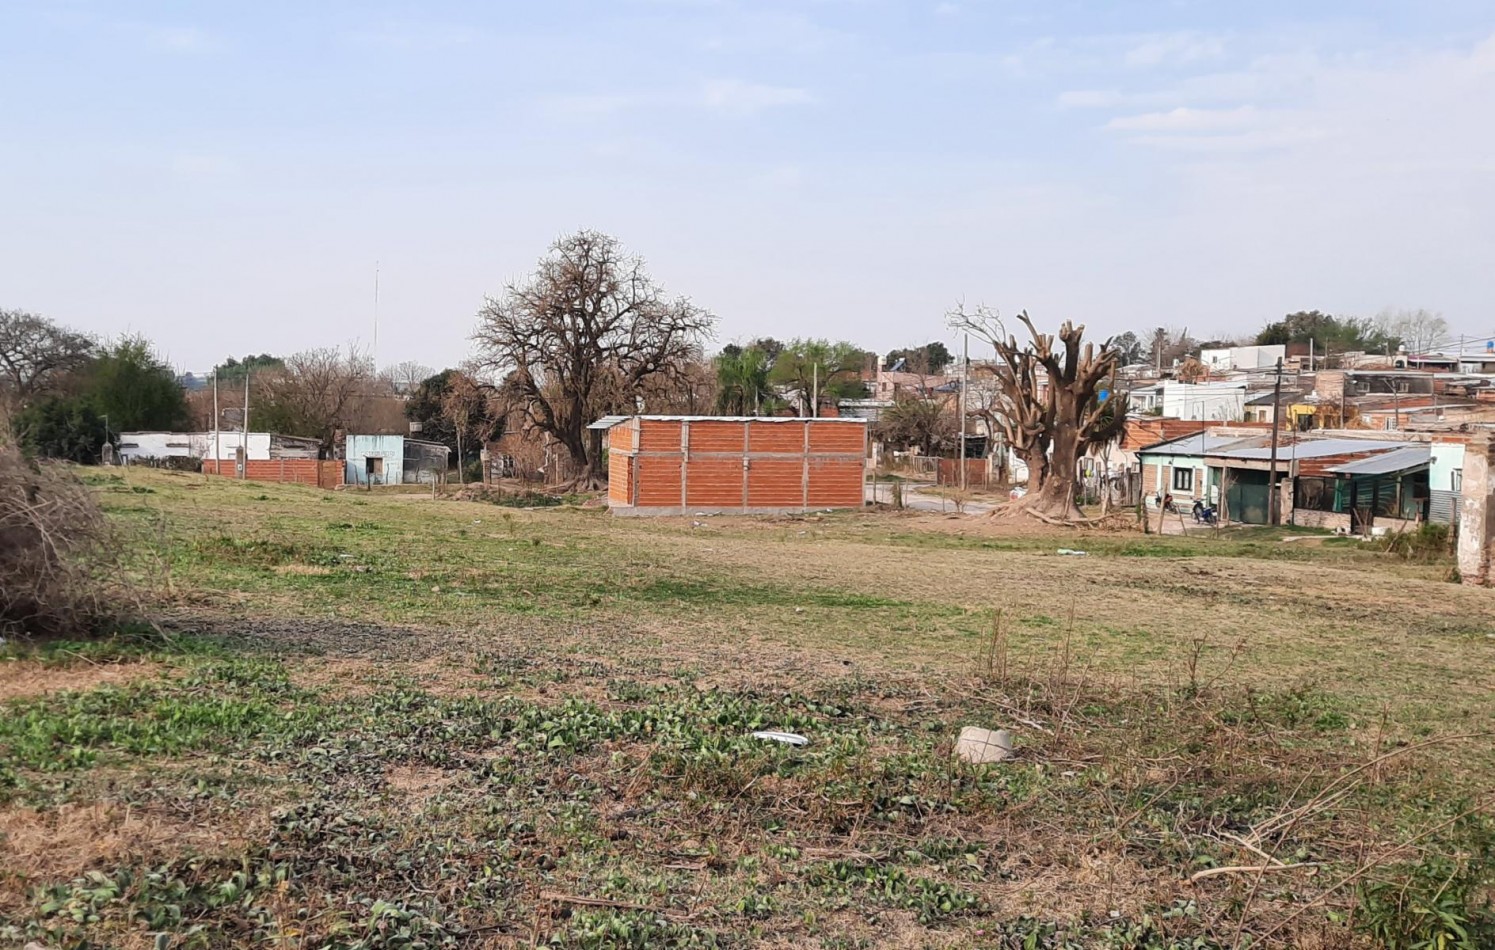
(54, 542)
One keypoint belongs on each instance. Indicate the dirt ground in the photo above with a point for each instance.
(405, 722)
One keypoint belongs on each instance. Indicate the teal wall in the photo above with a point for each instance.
(359, 448)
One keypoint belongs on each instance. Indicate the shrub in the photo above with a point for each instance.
(1429, 542)
(53, 544)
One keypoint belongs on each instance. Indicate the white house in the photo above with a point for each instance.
(1215, 402)
(1246, 358)
(259, 446)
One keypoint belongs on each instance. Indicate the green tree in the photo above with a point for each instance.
(1128, 347)
(231, 370)
(432, 405)
(770, 347)
(61, 427)
(742, 387)
(1328, 333)
(819, 372)
(931, 358)
(135, 389)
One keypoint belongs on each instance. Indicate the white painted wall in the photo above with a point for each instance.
(1242, 357)
(149, 445)
(1213, 401)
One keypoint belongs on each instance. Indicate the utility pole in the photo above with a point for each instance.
(1274, 508)
(815, 391)
(244, 471)
(217, 435)
(965, 376)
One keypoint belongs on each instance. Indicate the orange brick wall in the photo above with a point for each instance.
(776, 437)
(620, 469)
(658, 481)
(835, 483)
(311, 472)
(775, 483)
(733, 463)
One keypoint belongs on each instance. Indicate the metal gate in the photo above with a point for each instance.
(1247, 500)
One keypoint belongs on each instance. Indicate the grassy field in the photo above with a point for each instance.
(388, 720)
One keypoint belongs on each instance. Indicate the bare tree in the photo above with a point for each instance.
(313, 394)
(1050, 410)
(404, 376)
(34, 352)
(588, 333)
(465, 407)
(1169, 345)
(918, 422)
(1418, 330)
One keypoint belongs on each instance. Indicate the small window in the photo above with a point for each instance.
(1457, 479)
(375, 465)
(1183, 479)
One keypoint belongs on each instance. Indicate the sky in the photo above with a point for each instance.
(224, 178)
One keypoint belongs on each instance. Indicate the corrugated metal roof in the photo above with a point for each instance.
(1310, 448)
(1200, 443)
(607, 422)
(1387, 463)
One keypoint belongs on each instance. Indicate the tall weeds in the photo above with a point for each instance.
(55, 547)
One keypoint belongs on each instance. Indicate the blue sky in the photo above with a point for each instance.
(222, 177)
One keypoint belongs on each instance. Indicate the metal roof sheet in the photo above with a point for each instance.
(1310, 448)
(1200, 443)
(607, 422)
(1387, 463)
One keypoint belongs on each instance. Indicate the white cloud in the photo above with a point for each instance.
(1187, 120)
(1252, 140)
(736, 97)
(1173, 49)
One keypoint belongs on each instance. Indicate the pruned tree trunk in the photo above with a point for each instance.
(1050, 409)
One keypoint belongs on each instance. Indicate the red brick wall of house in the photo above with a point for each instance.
(727, 464)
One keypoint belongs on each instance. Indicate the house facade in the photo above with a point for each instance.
(370, 460)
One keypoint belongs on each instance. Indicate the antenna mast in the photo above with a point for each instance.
(376, 314)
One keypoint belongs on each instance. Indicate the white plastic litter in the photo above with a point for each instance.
(983, 745)
(787, 738)
(1071, 552)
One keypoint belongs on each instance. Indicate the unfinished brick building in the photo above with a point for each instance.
(662, 465)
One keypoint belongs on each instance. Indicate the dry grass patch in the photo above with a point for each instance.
(21, 679)
(303, 570)
(418, 784)
(59, 844)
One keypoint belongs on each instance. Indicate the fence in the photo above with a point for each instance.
(979, 473)
(328, 474)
